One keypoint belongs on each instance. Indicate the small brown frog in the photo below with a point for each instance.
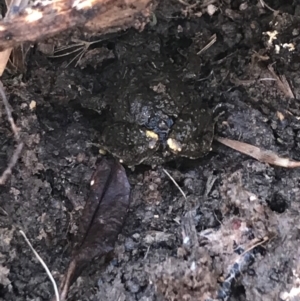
(154, 120)
(190, 136)
(154, 116)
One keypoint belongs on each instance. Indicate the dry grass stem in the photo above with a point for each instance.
(43, 264)
(173, 180)
(83, 47)
(213, 40)
(262, 155)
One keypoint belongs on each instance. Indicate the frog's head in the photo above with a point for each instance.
(190, 136)
(130, 143)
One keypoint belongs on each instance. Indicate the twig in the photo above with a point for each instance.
(256, 243)
(259, 154)
(43, 264)
(12, 163)
(66, 283)
(8, 112)
(173, 180)
(15, 130)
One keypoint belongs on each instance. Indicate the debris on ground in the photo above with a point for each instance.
(219, 224)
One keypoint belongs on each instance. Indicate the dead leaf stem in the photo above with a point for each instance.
(259, 154)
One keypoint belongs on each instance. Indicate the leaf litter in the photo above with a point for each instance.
(102, 219)
(214, 258)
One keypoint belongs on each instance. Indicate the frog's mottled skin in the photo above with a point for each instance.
(129, 142)
(154, 115)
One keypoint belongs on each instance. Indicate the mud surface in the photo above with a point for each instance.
(235, 236)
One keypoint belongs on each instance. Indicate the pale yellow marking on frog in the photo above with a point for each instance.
(32, 105)
(152, 135)
(102, 151)
(174, 145)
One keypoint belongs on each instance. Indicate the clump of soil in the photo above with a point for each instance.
(233, 236)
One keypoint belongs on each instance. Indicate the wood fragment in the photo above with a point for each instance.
(48, 18)
(262, 155)
(12, 5)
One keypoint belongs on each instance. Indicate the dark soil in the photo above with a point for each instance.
(236, 234)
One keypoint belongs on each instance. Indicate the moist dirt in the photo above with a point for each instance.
(234, 234)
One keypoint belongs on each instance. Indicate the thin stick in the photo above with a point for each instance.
(8, 112)
(184, 195)
(15, 130)
(43, 264)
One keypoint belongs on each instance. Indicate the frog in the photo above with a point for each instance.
(153, 115)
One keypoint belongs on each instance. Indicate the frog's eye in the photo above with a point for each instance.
(174, 145)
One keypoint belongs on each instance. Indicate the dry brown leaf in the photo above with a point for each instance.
(102, 218)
